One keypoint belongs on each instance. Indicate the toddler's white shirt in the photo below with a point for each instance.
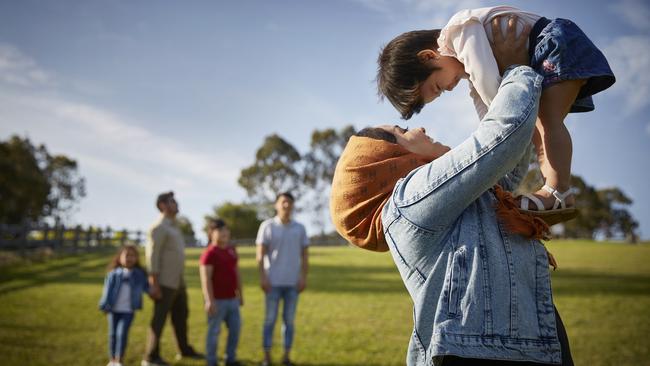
(467, 37)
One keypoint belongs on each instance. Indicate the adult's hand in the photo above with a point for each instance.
(302, 284)
(154, 287)
(265, 284)
(509, 49)
(155, 292)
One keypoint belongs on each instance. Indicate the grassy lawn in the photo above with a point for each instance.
(355, 311)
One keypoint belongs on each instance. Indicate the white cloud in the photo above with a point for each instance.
(18, 69)
(634, 12)
(115, 146)
(629, 58)
(105, 137)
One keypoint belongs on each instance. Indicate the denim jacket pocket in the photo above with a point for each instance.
(457, 279)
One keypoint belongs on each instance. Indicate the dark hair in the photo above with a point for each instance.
(115, 261)
(215, 224)
(284, 194)
(377, 134)
(400, 71)
(164, 198)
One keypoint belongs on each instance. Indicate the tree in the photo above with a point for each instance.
(320, 163)
(275, 170)
(185, 225)
(35, 185)
(242, 219)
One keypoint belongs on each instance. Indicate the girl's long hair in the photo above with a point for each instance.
(115, 261)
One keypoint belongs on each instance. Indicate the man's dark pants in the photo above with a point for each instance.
(174, 301)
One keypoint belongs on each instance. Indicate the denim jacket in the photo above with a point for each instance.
(113, 281)
(478, 290)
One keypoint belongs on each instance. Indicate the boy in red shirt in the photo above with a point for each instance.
(221, 285)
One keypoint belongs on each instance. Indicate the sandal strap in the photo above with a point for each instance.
(559, 196)
(527, 197)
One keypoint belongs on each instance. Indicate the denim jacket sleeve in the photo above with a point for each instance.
(109, 282)
(434, 195)
(511, 181)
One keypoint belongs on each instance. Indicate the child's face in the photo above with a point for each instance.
(220, 236)
(128, 258)
(449, 73)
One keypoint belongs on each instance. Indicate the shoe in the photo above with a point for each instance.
(265, 363)
(154, 362)
(555, 215)
(234, 363)
(191, 354)
(287, 362)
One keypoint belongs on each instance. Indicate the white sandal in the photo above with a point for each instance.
(558, 213)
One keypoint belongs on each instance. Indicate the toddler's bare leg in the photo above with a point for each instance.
(552, 139)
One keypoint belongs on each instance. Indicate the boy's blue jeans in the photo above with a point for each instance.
(289, 296)
(228, 312)
(118, 331)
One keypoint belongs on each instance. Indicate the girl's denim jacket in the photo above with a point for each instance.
(478, 291)
(113, 281)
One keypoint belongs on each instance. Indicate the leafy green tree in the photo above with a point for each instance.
(320, 163)
(185, 225)
(35, 184)
(242, 219)
(276, 169)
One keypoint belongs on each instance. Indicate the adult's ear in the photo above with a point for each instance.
(427, 55)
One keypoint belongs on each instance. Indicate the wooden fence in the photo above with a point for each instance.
(23, 238)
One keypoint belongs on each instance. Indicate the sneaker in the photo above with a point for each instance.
(190, 353)
(265, 363)
(234, 363)
(154, 362)
(287, 362)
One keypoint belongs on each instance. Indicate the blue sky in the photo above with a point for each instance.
(151, 96)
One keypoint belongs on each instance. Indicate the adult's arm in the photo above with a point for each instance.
(304, 268)
(261, 252)
(153, 254)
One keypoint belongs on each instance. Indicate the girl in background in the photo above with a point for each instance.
(122, 295)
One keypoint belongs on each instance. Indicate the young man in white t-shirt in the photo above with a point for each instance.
(282, 258)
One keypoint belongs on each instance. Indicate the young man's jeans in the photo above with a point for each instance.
(289, 296)
(228, 312)
(174, 301)
(118, 331)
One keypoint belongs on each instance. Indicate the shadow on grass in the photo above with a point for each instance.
(88, 268)
(572, 282)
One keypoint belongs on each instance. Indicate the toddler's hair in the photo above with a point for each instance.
(400, 71)
(115, 261)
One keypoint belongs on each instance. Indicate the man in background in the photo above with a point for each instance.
(282, 259)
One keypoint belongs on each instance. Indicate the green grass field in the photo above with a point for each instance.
(354, 312)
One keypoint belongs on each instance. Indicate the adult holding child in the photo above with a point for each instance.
(471, 261)
(165, 255)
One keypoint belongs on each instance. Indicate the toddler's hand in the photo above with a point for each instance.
(511, 49)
